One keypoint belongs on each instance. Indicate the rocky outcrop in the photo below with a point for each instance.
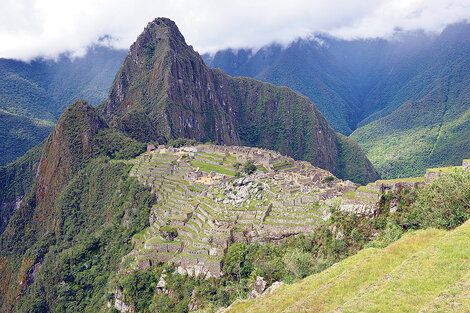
(258, 288)
(64, 151)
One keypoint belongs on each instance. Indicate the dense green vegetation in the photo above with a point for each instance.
(415, 89)
(98, 212)
(33, 95)
(429, 132)
(16, 181)
(372, 279)
(18, 134)
(350, 165)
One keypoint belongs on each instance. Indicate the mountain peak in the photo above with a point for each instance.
(164, 91)
(160, 28)
(64, 152)
(159, 35)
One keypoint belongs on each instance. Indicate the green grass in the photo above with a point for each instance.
(396, 180)
(140, 235)
(156, 240)
(363, 188)
(349, 194)
(227, 157)
(281, 165)
(446, 170)
(206, 167)
(419, 280)
(424, 270)
(262, 169)
(352, 195)
(326, 290)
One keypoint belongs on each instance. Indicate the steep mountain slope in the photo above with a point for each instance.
(425, 270)
(430, 129)
(60, 195)
(343, 78)
(355, 83)
(33, 95)
(165, 91)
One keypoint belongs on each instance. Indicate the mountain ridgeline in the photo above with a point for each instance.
(33, 95)
(165, 91)
(404, 100)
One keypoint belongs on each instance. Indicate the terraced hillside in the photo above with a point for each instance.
(425, 271)
(203, 207)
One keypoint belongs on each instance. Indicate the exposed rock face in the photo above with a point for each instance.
(164, 91)
(165, 86)
(120, 304)
(66, 148)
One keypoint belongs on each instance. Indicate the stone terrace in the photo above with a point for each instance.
(363, 200)
(199, 196)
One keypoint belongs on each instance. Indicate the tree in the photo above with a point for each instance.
(249, 167)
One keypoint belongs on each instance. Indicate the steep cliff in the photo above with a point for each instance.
(60, 197)
(164, 91)
(66, 149)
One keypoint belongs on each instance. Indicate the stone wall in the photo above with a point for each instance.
(358, 206)
(431, 175)
(397, 186)
(466, 165)
(199, 265)
(368, 195)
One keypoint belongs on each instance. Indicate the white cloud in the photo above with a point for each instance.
(33, 28)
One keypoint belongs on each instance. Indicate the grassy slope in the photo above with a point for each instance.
(425, 269)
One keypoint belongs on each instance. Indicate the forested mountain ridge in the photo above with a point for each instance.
(368, 86)
(33, 95)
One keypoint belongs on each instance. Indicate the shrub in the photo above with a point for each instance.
(445, 202)
(328, 179)
(297, 262)
(249, 167)
(168, 232)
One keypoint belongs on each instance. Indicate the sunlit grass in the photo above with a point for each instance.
(326, 290)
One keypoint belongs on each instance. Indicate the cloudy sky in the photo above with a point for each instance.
(46, 28)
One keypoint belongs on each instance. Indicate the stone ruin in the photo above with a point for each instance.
(282, 198)
(211, 209)
(466, 165)
(363, 201)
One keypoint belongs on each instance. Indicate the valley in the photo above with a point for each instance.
(405, 101)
